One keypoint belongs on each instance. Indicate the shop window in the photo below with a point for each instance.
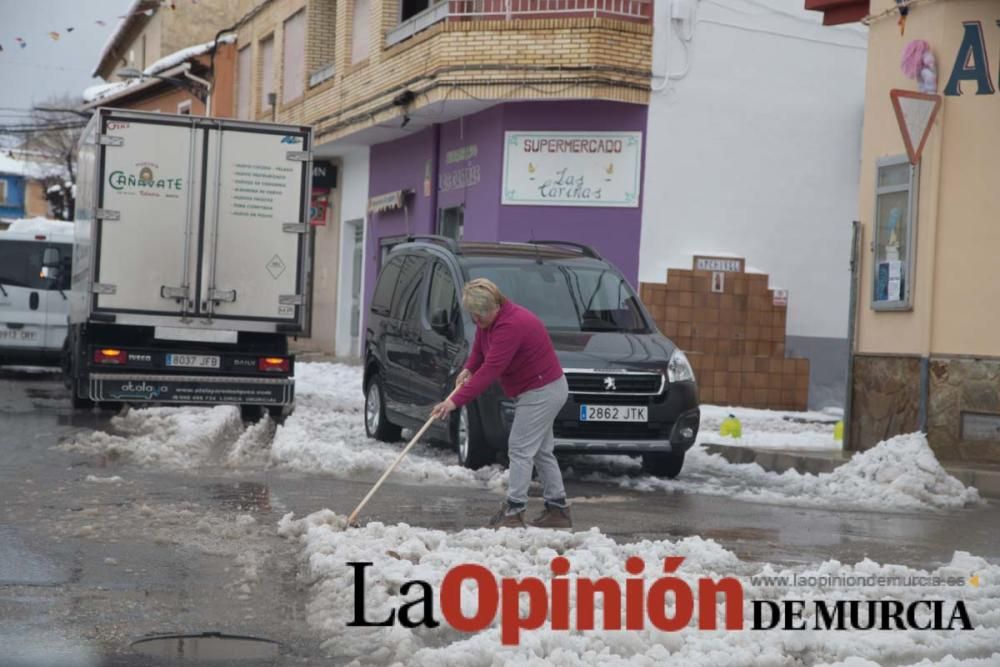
(360, 29)
(451, 222)
(266, 72)
(894, 233)
(243, 84)
(293, 71)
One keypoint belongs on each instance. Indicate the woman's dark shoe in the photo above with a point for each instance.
(507, 517)
(553, 517)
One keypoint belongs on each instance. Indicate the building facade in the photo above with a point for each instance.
(22, 190)
(926, 356)
(541, 135)
(754, 137)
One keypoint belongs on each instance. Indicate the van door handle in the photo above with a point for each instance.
(33, 301)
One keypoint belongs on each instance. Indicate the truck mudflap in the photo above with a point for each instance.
(190, 389)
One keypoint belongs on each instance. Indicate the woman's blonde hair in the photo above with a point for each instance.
(482, 297)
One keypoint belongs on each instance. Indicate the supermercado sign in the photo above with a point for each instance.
(572, 168)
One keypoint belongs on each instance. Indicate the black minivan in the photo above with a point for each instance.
(632, 391)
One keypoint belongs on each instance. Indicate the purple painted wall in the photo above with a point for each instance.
(476, 182)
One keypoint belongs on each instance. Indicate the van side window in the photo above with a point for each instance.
(407, 298)
(442, 301)
(386, 286)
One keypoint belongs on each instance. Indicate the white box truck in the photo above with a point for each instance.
(192, 261)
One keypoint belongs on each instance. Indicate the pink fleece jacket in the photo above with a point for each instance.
(516, 349)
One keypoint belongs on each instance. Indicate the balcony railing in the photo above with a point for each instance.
(507, 10)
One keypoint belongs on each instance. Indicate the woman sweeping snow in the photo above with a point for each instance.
(513, 346)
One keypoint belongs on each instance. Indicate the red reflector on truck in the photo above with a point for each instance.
(274, 364)
(109, 356)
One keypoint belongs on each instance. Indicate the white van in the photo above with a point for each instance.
(35, 274)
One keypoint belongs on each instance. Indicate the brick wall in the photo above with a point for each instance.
(735, 338)
(563, 58)
(198, 22)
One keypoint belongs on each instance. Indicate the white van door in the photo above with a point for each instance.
(56, 297)
(22, 296)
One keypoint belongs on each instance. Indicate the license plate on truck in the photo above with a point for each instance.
(614, 413)
(192, 361)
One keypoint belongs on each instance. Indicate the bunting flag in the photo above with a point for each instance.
(55, 35)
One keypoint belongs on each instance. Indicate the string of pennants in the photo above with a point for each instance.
(56, 35)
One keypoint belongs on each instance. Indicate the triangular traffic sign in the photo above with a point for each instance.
(915, 113)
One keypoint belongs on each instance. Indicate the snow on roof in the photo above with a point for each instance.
(105, 90)
(36, 170)
(115, 35)
(41, 226)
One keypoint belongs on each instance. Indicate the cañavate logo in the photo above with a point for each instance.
(146, 179)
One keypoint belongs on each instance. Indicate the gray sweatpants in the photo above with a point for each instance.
(531, 443)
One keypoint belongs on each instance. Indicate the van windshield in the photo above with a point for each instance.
(568, 298)
(21, 265)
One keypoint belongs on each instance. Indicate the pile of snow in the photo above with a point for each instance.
(167, 437)
(899, 474)
(326, 435)
(30, 169)
(770, 429)
(41, 225)
(401, 552)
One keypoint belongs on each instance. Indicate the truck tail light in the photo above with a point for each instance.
(273, 364)
(109, 355)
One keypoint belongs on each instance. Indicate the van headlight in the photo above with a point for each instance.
(679, 368)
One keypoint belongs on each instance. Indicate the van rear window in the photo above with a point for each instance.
(21, 264)
(568, 298)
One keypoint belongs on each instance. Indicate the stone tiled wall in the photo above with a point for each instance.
(960, 386)
(735, 339)
(885, 400)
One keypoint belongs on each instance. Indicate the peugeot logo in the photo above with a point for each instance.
(609, 384)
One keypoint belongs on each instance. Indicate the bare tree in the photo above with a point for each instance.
(52, 138)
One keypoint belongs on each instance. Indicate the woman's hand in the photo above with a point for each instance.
(443, 409)
(462, 378)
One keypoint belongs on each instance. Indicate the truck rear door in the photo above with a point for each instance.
(255, 250)
(147, 203)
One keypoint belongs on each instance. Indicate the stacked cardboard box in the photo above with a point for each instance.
(733, 336)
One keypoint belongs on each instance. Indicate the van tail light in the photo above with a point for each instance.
(273, 364)
(109, 355)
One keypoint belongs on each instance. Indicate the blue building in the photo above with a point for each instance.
(12, 187)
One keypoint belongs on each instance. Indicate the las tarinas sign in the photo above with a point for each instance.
(572, 168)
(972, 65)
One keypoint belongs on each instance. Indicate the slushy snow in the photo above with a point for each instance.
(325, 435)
(400, 553)
(770, 429)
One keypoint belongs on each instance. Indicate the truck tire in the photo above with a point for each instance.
(377, 425)
(278, 414)
(250, 414)
(72, 377)
(467, 433)
(663, 464)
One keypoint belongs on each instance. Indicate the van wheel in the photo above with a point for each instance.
(467, 434)
(78, 402)
(663, 464)
(377, 425)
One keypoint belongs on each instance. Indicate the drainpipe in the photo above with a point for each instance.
(435, 168)
(852, 318)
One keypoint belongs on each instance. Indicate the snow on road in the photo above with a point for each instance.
(400, 553)
(326, 435)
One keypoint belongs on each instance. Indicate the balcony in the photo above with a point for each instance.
(640, 11)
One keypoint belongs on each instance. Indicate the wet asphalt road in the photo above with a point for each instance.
(87, 567)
